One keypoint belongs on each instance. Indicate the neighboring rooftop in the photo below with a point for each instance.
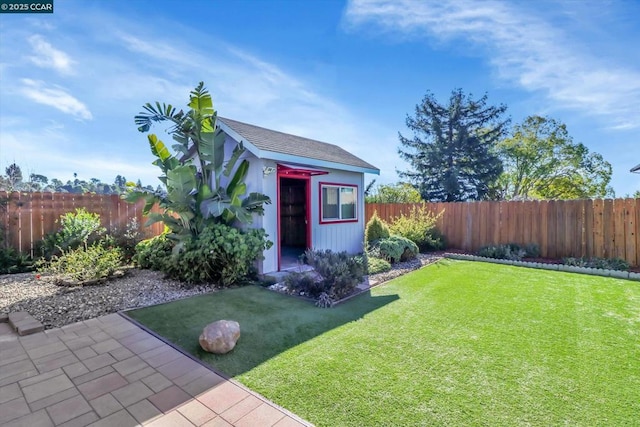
(291, 145)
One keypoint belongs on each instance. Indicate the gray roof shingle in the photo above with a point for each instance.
(280, 142)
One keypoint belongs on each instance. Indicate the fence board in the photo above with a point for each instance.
(561, 228)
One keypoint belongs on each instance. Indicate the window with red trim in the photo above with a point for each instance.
(338, 202)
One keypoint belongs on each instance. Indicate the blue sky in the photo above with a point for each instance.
(341, 72)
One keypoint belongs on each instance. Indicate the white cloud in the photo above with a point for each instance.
(55, 97)
(524, 48)
(46, 56)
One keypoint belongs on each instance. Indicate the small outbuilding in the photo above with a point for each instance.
(316, 190)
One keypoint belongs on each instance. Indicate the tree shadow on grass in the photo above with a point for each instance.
(270, 323)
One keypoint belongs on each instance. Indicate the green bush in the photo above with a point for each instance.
(221, 254)
(511, 251)
(153, 253)
(378, 265)
(77, 229)
(595, 262)
(84, 264)
(419, 226)
(126, 239)
(304, 284)
(340, 272)
(376, 229)
(395, 249)
(12, 261)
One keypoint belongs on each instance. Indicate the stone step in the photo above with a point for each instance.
(24, 324)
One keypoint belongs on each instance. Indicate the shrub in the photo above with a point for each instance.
(595, 262)
(378, 265)
(419, 226)
(126, 239)
(84, 264)
(153, 253)
(220, 254)
(340, 272)
(511, 251)
(395, 249)
(12, 261)
(304, 284)
(77, 229)
(376, 229)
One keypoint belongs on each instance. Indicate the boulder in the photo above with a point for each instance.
(220, 337)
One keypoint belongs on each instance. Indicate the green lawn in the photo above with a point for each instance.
(456, 343)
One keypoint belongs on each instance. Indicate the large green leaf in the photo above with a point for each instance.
(235, 155)
(200, 100)
(158, 148)
(233, 188)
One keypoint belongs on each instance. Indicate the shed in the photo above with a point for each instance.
(316, 189)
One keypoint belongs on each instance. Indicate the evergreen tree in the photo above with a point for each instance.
(452, 154)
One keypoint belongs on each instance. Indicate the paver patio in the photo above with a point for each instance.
(110, 372)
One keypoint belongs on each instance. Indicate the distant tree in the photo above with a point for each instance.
(636, 194)
(120, 181)
(451, 153)
(13, 177)
(400, 192)
(541, 161)
(370, 187)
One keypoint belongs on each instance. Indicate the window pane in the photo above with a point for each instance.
(348, 203)
(330, 203)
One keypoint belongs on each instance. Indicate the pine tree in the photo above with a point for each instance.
(452, 154)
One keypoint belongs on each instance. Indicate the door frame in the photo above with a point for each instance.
(282, 173)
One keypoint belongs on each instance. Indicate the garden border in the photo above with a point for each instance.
(618, 274)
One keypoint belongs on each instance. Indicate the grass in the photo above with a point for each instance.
(456, 343)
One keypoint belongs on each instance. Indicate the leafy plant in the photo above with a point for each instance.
(77, 229)
(378, 265)
(126, 239)
(396, 248)
(84, 264)
(419, 227)
(340, 272)
(153, 253)
(511, 251)
(201, 189)
(376, 229)
(595, 262)
(12, 261)
(305, 284)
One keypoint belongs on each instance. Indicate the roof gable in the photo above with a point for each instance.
(286, 147)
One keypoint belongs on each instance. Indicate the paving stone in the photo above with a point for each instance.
(130, 365)
(9, 392)
(105, 405)
(288, 422)
(36, 419)
(99, 386)
(75, 370)
(16, 368)
(222, 397)
(191, 375)
(160, 356)
(203, 384)
(138, 375)
(85, 353)
(196, 412)
(80, 342)
(178, 367)
(144, 411)
(132, 393)
(38, 340)
(8, 360)
(99, 361)
(119, 419)
(82, 421)
(92, 375)
(145, 344)
(29, 327)
(217, 422)
(41, 377)
(13, 409)
(241, 408)
(54, 361)
(130, 339)
(172, 419)
(18, 377)
(53, 399)
(263, 415)
(11, 350)
(68, 409)
(105, 346)
(45, 350)
(169, 398)
(121, 353)
(157, 382)
(46, 388)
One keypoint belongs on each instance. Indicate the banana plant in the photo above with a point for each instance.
(202, 187)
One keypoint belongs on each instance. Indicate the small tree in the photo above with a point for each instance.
(201, 188)
(400, 192)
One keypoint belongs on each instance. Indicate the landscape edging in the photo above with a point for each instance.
(618, 274)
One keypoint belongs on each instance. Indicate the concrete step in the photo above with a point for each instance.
(24, 324)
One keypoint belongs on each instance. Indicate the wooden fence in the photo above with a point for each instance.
(562, 228)
(27, 217)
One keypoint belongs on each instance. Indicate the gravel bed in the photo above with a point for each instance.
(55, 306)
